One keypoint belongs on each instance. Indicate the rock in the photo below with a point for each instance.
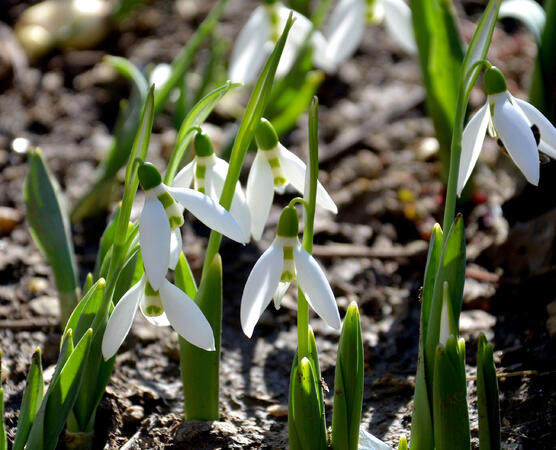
(37, 284)
(277, 410)
(132, 414)
(45, 305)
(476, 321)
(9, 218)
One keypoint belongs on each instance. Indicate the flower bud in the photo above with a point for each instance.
(288, 225)
(203, 144)
(149, 176)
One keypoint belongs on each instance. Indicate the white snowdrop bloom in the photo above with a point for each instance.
(521, 128)
(346, 25)
(162, 216)
(208, 172)
(283, 262)
(273, 168)
(256, 40)
(167, 306)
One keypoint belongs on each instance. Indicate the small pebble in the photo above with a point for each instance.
(45, 306)
(427, 148)
(9, 218)
(277, 410)
(37, 284)
(134, 413)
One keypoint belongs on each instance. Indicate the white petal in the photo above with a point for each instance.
(250, 49)
(472, 143)
(518, 139)
(260, 193)
(546, 129)
(398, 22)
(294, 169)
(157, 321)
(209, 212)
(120, 321)
(175, 248)
(547, 149)
(279, 293)
(154, 238)
(345, 29)
(185, 176)
(239, 209)
(186, 317)
(296, 37)
(313, 282)
(260, 287)
(321, 58)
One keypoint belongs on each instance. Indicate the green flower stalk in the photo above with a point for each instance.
(488, 398)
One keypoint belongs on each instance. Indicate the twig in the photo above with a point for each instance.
(28, 324)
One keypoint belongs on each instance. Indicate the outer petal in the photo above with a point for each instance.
(209, 212)
(313, 282)
(296, 37)
(321, 58)
(472, 143)
(398, 22)
(154, 238)
(517, 137)
(547, 130)
(345, 29)
(547, 149)
(185, 176)
(239, 209)
(120, 321)
(175, 248)
(295, 169)
(186, 317)
(250, 49)
(260, 287)
(260, 192)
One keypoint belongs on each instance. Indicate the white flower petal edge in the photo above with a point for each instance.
(514, 131)
(120, 321)
(250, 50)
(472, 143)
(157, 321)
(154, 239)
(209, 212)
(260, 287)
(345, 29)
(260, 192)
(295, 169)
(175, 248)
(313, 282)
(546, 129)
(185, 176)
(398, 22)
(186, 317)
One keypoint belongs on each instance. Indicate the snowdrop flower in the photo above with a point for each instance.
(346, 25)
(162, 217)
(283, 262)
(208, 172)
(167, 306)
(521, 128)
(257, 38)
(273, 168)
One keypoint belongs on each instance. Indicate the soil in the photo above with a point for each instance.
(378, 163)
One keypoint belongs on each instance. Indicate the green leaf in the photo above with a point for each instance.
(32, 398)
(402, 445)
(487, 397)
(83, 310)
(200, 368)
(348, 384)
(60, 397)
(451, 420)
(50, 229)
(529, 12)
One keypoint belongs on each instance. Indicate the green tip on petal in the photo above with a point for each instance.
(495, 83)
(149, 176)
(288, 225)
(203, 145)
(265, 135)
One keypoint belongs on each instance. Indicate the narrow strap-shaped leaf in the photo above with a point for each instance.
(31, 401)
(129, 70)
(50, 228)
(487, 397)
(83, 309)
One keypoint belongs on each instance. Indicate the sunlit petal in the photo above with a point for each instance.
(154, 238)
(185, 176)
(260, 192)
(345, 29)
(294, 169)
(212, 214)
(175, 248)
(517, 137)
(398, 22)
(186, 317)
(120, 321)
(472, 143)
(260, 287)
(296, 37)
(546, 129)
(313, 282)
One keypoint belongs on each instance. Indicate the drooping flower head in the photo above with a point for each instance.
(274, 167)
(282, 263)
(520, 127)
(208, 173)
(159, 233)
